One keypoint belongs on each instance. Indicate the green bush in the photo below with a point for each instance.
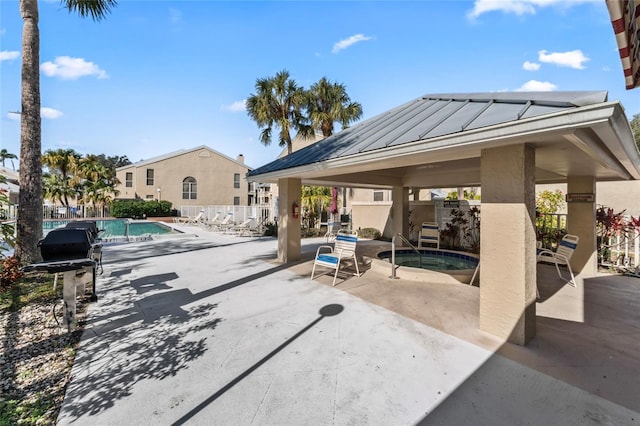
(370, 233)
(270, 230)
(138, 209)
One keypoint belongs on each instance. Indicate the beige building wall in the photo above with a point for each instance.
(220, 180)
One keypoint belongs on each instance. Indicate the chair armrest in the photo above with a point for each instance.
(324, 247)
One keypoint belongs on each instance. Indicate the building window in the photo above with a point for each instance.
(236, 201)
(149, 197)
(378, 195)
(128, 180)
(189, 189)
(149, 176)
(236, 180)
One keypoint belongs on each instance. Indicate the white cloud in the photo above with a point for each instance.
(9, 55)
(236, 106)
(347, 42)
(537, 86)
(573, 59)
(517, 7)
(46, 112)
(68, 68)
(530, 66)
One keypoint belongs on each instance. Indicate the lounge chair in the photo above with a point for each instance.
(191, 220)
(344, 248)
(429, 234)
(225, 223)
(239, 229)
(208, 224)
(562, 256)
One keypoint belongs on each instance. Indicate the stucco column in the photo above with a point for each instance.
(400, 210)
(508, 243)
(289, 192)
(581, 221)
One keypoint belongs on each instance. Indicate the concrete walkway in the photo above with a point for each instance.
(209, 330)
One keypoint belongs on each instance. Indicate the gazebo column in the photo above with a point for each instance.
(508, 243)
(400, 210)
(581, 221)
(289, 192)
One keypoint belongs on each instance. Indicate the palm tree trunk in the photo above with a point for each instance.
(29, 221)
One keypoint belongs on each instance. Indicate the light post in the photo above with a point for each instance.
(158, 194)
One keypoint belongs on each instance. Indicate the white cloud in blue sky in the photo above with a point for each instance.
(50, 113)
(7, 55)
(236, 106)
(68, 68)
(517, 7)
(537, 86)
(348, 42)
(530, 66)
(573, 59)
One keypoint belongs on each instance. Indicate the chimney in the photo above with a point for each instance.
(241, 158)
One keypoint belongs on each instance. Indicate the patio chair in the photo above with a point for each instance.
(344, 248)
(224, 224)
(208, 224)
(332, 230)
(429, 234)
(191, 220)
(240, 229)
(562, 256)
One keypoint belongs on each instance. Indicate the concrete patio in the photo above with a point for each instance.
(210, 330)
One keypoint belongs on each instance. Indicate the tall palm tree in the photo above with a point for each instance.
(6, 155)
(329, 103)
(29, 221)
(279, 102)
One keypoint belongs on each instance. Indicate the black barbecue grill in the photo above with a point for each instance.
(75, 251)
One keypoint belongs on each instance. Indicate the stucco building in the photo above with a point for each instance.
(197, 176)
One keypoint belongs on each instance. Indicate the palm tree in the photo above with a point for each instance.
(29, 221)
(63, 163)
(279, 102)
(6, 155)
(314, 200)
(329, 103)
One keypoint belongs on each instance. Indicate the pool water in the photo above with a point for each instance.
(117, 227)
(435, 260)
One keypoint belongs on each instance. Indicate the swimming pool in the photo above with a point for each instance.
(119, 228)
(439, 265)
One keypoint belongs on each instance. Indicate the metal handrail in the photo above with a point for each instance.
(393, 253)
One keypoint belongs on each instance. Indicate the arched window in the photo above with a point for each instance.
(189, 188)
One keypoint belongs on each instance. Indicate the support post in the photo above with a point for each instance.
(289, 192)
(508, 243)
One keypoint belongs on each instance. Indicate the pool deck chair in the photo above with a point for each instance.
(562, 256)
(429, 234)
(344, 248)
(190, 220)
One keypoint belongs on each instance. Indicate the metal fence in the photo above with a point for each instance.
(261, 214)
(66, 212)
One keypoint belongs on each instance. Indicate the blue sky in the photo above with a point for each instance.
(158, 76)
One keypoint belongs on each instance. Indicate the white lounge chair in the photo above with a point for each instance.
(208, 224)
(562, 256)
(344, 248)
(429, 234)
(241, 228)
(224, 224)
(191, 220)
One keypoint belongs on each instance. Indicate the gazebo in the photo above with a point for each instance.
(503, 142)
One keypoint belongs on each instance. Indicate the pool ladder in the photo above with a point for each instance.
(393, 253)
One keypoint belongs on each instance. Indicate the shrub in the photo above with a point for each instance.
(10, 272)
(371, 233)
(138, 209)
(271, 230)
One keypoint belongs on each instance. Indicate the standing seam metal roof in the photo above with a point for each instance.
(431, 116)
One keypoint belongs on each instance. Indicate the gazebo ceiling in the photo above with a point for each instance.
(436, 141)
